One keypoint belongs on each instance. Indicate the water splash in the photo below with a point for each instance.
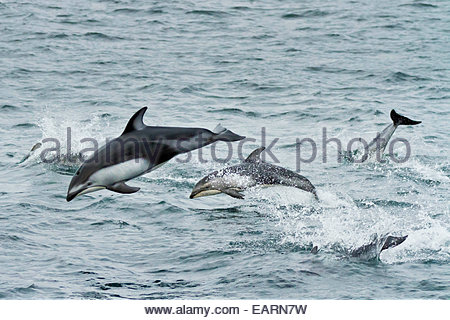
(65, 142)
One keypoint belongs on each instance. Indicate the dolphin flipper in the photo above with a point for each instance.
(233, 193)
(121, 187)
(401, 120)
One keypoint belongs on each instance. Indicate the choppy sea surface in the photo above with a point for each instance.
(289, 68)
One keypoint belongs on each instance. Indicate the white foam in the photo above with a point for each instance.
(337, 221)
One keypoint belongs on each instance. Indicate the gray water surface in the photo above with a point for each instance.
(290, 67)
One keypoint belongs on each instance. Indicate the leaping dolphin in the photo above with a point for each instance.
(252, 172)
(139, 150)
(381, 140)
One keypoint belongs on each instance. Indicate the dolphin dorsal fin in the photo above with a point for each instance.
(219, 129)
(254, 156)
(136, 121)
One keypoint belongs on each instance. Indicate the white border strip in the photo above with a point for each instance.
(235, 309)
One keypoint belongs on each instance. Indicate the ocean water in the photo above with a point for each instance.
(286, 68)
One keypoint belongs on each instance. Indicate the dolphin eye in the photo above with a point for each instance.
(89, 183)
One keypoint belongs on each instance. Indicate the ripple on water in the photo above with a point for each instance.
(234, 111)
(306, 14)
(211, 13)
(113, 224)
(419, 5)
(399, 76)
(103, 36)
(9, 107)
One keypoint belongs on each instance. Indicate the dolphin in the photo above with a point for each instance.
(379, 143)
(63, 159)
(373, 249)
(32, 151)
(139, 150)
(251, 172)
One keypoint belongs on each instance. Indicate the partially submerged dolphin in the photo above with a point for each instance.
(33, 149)
(377, 244)
(140, 149)
(252, 172)
(373, 249)
(381, 140)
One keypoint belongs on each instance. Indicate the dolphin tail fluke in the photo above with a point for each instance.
(377, 244)
(392, 241)
(223, 134)
(402, 120)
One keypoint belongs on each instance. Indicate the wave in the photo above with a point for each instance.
(401, 76)
(306, 14)
(212, 13)
(419, 5)
(7, 107)
(235, 111)
(100, 35)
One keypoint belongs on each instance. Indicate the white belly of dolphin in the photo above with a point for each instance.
(121, 172)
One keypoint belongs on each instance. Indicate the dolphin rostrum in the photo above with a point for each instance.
(140, 149)
(252, 172)
(381, 140)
